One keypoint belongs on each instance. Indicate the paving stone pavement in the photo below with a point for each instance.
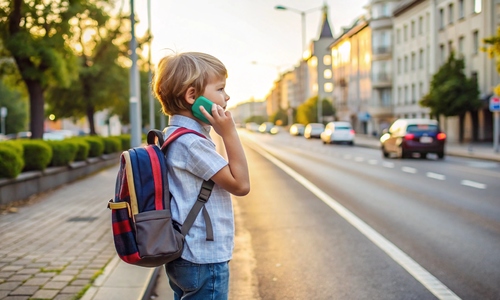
(56, 246)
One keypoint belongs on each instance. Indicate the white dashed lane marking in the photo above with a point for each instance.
(435, 176)
(409, 170)
(473, 184)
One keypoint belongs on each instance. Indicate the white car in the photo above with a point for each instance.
(338, 132)
(313, 130)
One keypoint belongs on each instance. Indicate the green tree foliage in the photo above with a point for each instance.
(99, 41)
(451, 93)
(279, 118)
(493, 49)
(307, 112)
(34, 34)
(17, 109)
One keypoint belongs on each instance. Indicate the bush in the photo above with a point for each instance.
(82, 150)
(96, 146)
(37, 155)
(112, 144)
(63, 152)
(125, 138)
(11, 161)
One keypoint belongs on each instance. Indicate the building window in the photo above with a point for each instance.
(327, 74)
(478, 6)
(461, 46)
(441, 54)
(413, 94)
(420, 58)
(328, 87)
(406, 95)
(327, 60)
(398, 35)
(412, 28)
(450, 47)
(406, 64)
(413, 63)
(421, 90)
(461, 12)
(421, 25)
(400, 96)
(405, 33)
(441, 18)
(399, 65)
(450, 13)
(475, 40)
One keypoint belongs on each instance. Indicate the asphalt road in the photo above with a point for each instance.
(341, 222)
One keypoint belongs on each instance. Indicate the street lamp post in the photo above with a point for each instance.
(302, 14)
(135, 96)
(150, 74)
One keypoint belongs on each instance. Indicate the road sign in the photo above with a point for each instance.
(494, 103)
(3, 112)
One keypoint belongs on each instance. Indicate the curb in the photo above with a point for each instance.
(122, 281)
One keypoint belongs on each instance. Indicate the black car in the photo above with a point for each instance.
(407, 136)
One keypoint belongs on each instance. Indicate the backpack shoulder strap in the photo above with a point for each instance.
(205, 191)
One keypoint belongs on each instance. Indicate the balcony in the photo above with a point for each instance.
(381, 79)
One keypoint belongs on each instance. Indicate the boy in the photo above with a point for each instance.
(202, 272)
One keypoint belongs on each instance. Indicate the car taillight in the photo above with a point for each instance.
(409, 136)
(352, 131)
(441, 136)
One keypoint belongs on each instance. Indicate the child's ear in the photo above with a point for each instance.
(190, 95)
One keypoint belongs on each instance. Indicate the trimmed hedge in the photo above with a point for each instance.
(63, 151)
(11, 160)
(96, 146)
(112, 144)
(125, 138)
(37, 155)
(83, 148)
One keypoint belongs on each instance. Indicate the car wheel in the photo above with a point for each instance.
(351, 143)
(423, 155)
(405, 154)
(440, 155)
(385, 153)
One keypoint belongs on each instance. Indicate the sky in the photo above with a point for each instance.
(254, 41)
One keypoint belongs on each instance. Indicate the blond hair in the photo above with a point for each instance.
(176, 73)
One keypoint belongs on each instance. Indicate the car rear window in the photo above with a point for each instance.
(343, 127)
(422, 128)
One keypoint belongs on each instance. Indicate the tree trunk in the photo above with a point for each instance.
(461, 121)
(90, 118)
(475, 125)
(37, 103)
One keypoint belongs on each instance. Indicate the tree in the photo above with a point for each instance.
(451, 93)
(34, 35)
(100, 42)
(307, 112)
(493, 49)
(17, 109)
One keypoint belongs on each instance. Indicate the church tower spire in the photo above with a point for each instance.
(325, 29)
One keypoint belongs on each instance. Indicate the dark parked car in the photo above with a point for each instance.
(407, 136)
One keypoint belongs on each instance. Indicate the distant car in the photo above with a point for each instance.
(252, 126)
(297, 129)
(266, 127)
(407, 136)
(313, 130)
(23, 135)
(338, 132)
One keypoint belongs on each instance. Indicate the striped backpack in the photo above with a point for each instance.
(143, 230)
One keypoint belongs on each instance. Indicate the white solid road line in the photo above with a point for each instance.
(428, 280)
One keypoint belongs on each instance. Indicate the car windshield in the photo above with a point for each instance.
(422, 128)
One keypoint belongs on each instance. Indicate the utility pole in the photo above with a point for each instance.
(135, 96)
(150, 74)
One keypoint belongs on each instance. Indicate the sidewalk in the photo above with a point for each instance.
(60, 246)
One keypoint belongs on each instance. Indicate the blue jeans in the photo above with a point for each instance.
(198, 281)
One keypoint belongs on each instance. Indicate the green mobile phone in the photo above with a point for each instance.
(207, 104)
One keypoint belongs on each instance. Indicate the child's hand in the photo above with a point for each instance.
(221, 120)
